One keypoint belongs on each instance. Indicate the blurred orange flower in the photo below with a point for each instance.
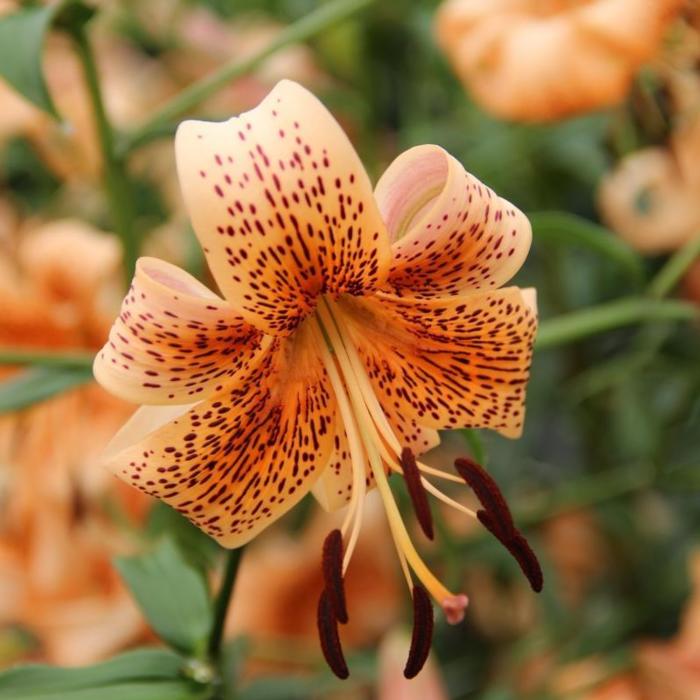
(56, 538)
(392, 685)
(651, 197)
(281, 579)
(667, 670)
(541, 60)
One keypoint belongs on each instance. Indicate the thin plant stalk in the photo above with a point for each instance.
(116, 181)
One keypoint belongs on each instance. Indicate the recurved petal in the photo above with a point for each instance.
(283, 208)
(174, 341)
(449, 363)
(239, 460)
(450, 233)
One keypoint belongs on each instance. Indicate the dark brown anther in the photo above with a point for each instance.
(416, 491)
(487, 491)
(422, 636)
(330, 641)
(497, 519)
(332, 564)
(520, 548)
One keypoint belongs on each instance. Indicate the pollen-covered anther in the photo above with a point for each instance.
(416, 491)
(328, 635)
(332, 564)
(422, 636)
(497, 519)
(454, 608)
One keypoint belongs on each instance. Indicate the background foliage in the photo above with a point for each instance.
(613, 430)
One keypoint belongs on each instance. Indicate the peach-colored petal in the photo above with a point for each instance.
(174, 340)
(448, 363)
(283, 208)
(236, 462)
(539, 60)
(450, 232)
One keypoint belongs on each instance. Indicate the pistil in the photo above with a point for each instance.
(368, 433)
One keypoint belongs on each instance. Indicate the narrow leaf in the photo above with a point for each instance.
(156, 690)
(39, 383)
(172, 594)
(157, 670)
(22, 36)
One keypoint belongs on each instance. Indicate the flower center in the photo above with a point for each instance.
(375, 450)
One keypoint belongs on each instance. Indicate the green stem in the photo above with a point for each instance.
(673, 270)
(324, 17)
(614, 314)
(116, 182)
(223, 600)
(20, 356)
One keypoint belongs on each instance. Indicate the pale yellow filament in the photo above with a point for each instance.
(356, 452)
(370, 439)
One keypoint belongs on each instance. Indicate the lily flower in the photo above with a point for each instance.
(353, 326)
(543, 60)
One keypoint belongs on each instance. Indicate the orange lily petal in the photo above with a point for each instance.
(449, 363)
(174, 340)
(283, 208)
(238, 461)
(450, 232)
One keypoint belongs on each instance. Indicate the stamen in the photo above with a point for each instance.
(488, 493)
(360, 374)
(439, 473)
(372, 446)
(416, 491)
(520, 549)
(430, 488)
(422, 636)
(328, 635)
(497, 519)
(333, 574)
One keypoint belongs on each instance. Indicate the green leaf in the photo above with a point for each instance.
(198, 548)
(158, 690)
(172, 594)
(561, 227)
(147, 674)
(22, 36)
(39, 383)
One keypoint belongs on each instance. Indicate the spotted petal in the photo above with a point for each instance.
(449, 363)
(283, 208)
(236, 462)
(450, 232)
(174, 340)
